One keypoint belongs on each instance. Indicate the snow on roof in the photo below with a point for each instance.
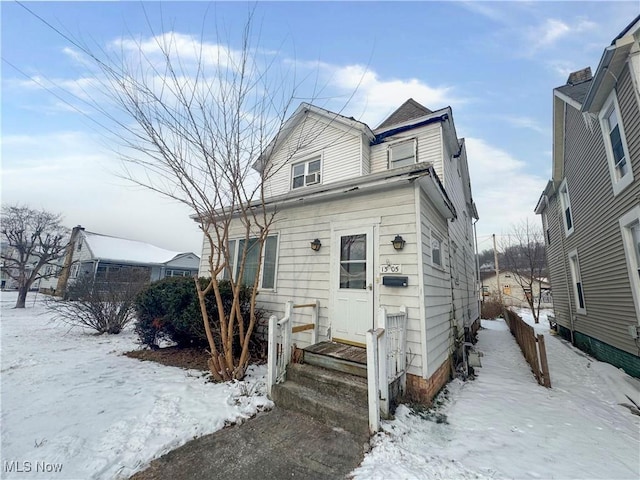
(105, 247)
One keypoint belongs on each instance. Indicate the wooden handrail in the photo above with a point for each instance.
(302, 328)
(305, 305)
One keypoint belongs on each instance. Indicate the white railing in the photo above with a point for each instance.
(280, 340)
(386, 362)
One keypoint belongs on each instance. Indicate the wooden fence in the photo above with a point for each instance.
(532, 346)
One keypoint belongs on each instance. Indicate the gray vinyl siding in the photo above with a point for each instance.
(597, 237)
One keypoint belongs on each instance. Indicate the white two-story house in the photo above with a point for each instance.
(353, 191)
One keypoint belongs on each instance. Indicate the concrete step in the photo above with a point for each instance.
(330, 382)
(334, 411)
(338, 364)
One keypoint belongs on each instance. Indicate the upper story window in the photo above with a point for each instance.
(630, 229)
(402, 153)
(306, 173)
(565, 203)
(615, 145)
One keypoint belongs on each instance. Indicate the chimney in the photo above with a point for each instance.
(580, 76)
(63, 278)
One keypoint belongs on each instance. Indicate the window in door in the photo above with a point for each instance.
(353, 261)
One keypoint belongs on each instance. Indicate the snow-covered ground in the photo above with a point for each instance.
(70, 399)
(504, 425)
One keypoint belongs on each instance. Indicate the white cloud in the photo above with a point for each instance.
(374, 98)
(504, 192)
(71, 173)
(528, 123)
(551, 31)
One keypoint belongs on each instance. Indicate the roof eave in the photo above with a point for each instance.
(611, 64)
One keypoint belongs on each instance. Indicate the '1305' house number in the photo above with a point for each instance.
(390, 268)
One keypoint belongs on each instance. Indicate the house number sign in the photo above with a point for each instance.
(388, 268)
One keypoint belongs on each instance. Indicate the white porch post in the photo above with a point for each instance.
(383, 377)
(372, 381)
(272, 353)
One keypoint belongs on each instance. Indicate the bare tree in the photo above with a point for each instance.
(34, 239)
(524, 257)
(105, 305)
(191, 122)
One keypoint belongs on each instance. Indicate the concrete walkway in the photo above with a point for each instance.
(277, 444)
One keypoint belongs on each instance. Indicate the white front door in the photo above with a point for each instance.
(352, 283)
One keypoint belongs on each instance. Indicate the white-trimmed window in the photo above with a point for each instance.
(615, 145)
(269, 261)
(545, 227)
(576, 278)
(436, 250)
(630, 229)
(565, 203)
(306, 173)
(402, 153)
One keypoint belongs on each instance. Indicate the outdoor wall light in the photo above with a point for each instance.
(315, 245)
(398, 242)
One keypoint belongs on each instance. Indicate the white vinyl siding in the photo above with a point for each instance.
(303, 275)
(616, 145)
(341, 153)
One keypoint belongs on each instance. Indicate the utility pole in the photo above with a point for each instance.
(495, 260)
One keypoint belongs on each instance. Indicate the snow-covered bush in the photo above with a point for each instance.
(105, 305)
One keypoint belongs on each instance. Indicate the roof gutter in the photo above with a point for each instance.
(380, 137)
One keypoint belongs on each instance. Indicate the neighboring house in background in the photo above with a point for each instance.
(7, 282)
(94, 254)
(513, 295)
(355, 190)
(591, 207)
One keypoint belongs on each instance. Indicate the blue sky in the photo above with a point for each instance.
(494, 63)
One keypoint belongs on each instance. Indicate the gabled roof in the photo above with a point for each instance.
(105, 247)
(298, 116)
(407, 111)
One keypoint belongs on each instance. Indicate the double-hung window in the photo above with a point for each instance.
(306, 173)
(630, 229)
(578, 289)
(615, 145)
(267, 278)
(436, 250)
(545, 227)
(402, 153)
(565, 203)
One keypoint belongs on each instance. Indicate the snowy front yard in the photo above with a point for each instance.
(70, 400)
